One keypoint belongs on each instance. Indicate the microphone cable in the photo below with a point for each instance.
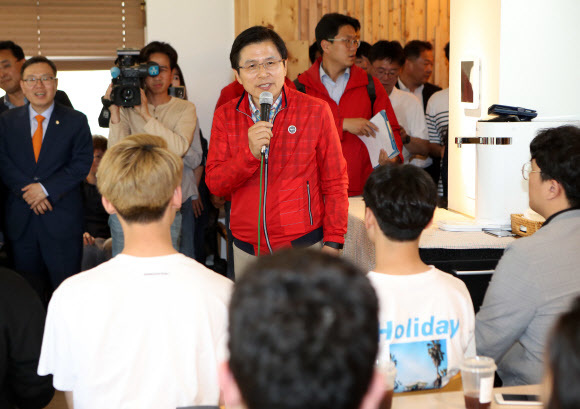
(266, 101)
(262, 154)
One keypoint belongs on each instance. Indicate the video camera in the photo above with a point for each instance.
(127, 76)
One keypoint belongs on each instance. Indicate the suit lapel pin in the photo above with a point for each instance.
(57, 122)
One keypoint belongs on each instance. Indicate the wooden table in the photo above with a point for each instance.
(454, 400)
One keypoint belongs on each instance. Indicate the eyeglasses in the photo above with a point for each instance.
(45, 79)
(349, 42)
(391, 73)
(254, 68)
(527, 169)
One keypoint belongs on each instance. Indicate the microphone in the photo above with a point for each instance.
(115, 72)
(266, 101)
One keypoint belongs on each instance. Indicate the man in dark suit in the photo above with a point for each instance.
(45, 152)
(416, 71)
(11, 60)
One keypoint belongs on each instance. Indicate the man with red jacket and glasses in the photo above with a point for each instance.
(304, 191)
(335, 79)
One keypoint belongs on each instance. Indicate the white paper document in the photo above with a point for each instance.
(384, 139)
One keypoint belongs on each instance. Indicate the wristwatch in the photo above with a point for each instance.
(333, 244)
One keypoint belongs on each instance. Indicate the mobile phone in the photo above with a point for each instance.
(499, 233)
(517, 399)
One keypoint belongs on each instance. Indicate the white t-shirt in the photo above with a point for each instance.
(410, 116)
(418, 91)
(424, 318)
(138, 332)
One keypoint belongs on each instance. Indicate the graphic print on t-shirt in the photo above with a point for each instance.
(420, 365)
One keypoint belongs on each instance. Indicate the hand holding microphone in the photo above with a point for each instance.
(260, 133)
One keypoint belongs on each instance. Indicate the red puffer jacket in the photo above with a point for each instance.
(307, 181)
(354, 103)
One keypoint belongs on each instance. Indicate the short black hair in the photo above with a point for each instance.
(100, 143)
(159, 47)
(303, 332)
(312, 50)
(402, 198)
(446, 49)
(329, 25)
(16, 50)
(387, 50)
(563, 354)
(557, 154)
(414, 48)
(363, 49)
(37, 60)
(253, 35)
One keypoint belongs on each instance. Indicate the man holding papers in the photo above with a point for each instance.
(353, 96)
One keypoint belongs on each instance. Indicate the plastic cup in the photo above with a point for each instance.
(477, 375)
(389, 372)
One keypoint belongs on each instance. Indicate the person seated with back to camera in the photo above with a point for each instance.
(426, 316)
(562, 373)
(302, 334)
(160, 114)
(147, 328)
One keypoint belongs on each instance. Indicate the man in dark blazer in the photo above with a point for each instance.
(45, 152)
(11, 60)
(416, 71)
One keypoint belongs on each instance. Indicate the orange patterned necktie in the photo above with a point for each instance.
(37, 137)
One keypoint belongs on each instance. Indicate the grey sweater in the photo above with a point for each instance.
(535, 281)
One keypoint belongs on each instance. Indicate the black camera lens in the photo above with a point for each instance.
(127, 94)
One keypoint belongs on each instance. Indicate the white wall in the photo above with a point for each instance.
(202, 32)
(528, 58)
(539, 56)
(475, 31)
(85, 88)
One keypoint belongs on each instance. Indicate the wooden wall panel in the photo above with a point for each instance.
(366, 21)
(401, 20)
(395, 21)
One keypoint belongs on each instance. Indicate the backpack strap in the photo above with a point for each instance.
(371, 91)
(300, 86)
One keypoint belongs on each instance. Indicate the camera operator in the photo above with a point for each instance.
(173, 119)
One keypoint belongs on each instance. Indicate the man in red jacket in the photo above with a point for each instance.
(303, 195)
(336, 80)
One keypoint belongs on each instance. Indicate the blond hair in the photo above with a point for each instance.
(138, 176)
